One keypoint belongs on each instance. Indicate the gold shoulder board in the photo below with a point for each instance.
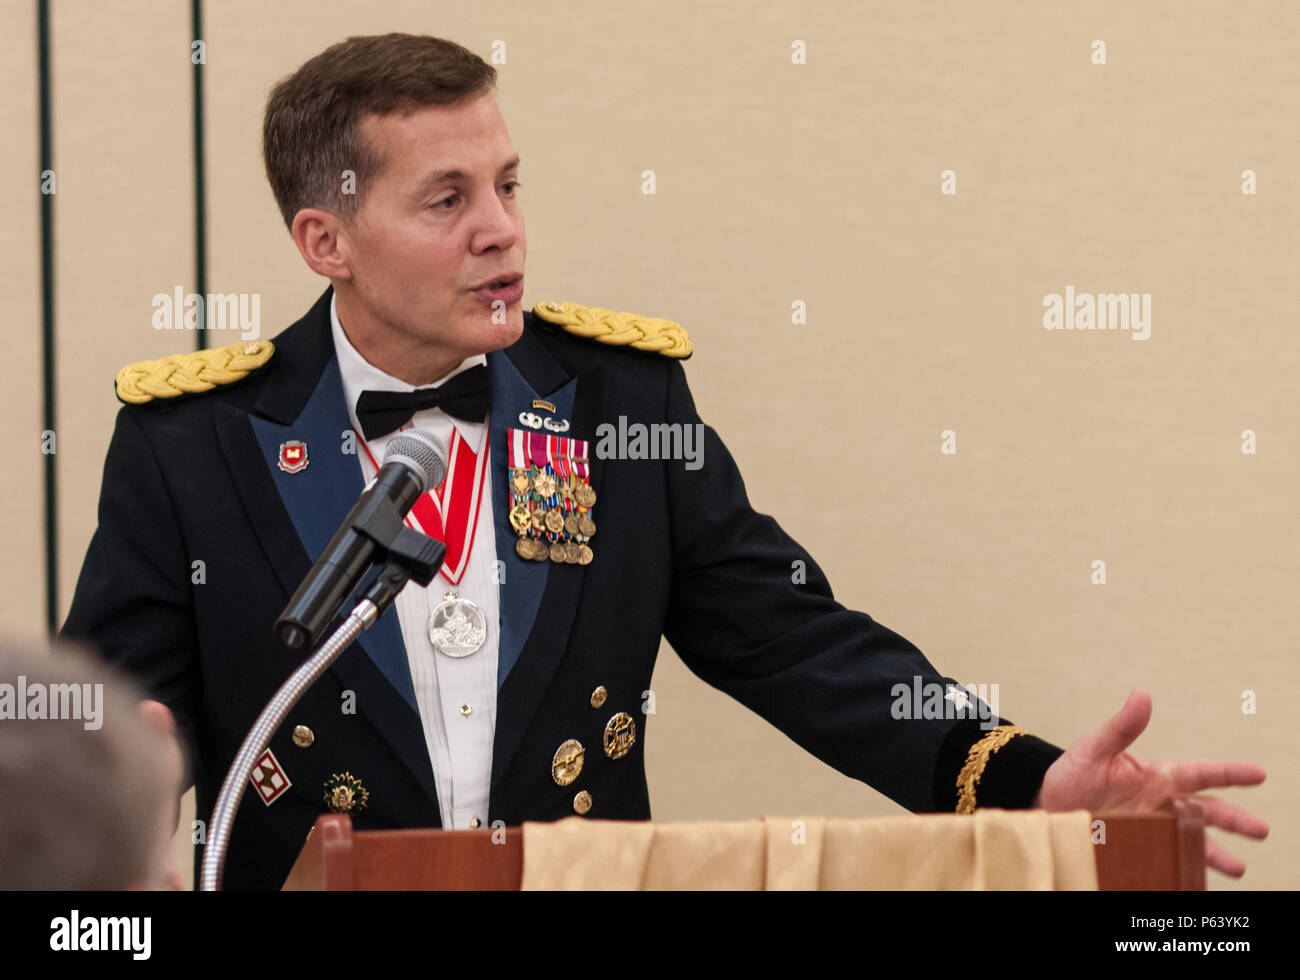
(188, 374)
(618, 329)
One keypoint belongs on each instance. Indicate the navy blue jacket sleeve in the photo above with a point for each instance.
(133, 601)
(753, 615)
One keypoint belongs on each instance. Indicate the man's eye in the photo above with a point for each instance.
(447, 203)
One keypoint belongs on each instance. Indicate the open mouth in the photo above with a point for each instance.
(500, 282)
(508, 288)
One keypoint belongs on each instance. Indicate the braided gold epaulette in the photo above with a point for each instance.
(187, 374)
(618, 329)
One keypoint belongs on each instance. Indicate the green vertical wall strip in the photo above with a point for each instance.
(51, 472)
(200, 178)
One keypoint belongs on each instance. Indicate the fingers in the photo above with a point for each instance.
(159, 716)
(1192, 777)
(1225, 816)
(1221, 860)
(1120, 731)
(1219, 813)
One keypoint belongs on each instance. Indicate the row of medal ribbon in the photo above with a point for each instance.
(551, 497)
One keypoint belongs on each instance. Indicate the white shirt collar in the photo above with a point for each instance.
(360, 375)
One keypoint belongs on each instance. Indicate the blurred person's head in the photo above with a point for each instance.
(88, 782)
(394, 171)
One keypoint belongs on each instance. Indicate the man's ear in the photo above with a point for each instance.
(322, 243)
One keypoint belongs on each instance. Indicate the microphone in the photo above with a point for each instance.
(414, 462)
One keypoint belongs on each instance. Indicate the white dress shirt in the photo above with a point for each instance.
(457, 696)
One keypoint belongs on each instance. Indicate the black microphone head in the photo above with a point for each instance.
(422, 452)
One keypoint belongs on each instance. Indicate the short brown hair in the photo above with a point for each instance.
(311, 132)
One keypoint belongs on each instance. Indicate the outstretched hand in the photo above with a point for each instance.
(1096, 774)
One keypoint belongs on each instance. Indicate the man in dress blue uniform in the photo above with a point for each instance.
(510, 688)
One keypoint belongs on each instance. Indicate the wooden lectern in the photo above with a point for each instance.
(1160, 851)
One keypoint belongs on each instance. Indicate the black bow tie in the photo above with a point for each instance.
(466, 396)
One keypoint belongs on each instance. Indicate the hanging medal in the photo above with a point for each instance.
(457, 627)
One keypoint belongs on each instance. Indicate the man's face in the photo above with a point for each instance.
(440, 219)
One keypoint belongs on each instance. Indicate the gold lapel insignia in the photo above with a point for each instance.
(345, 794)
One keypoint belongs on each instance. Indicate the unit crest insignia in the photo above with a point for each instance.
(345, 794)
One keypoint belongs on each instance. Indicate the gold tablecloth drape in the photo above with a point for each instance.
(989, 850)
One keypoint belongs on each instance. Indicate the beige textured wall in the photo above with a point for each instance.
(22, 582)
(818, 182)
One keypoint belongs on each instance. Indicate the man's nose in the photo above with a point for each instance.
(497, 228)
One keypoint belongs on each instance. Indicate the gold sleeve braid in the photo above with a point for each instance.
(186, 374)
(618, 329)
(977, 758)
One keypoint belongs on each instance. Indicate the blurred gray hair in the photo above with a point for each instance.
(80, 806)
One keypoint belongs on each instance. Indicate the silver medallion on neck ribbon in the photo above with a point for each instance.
(457, 627)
